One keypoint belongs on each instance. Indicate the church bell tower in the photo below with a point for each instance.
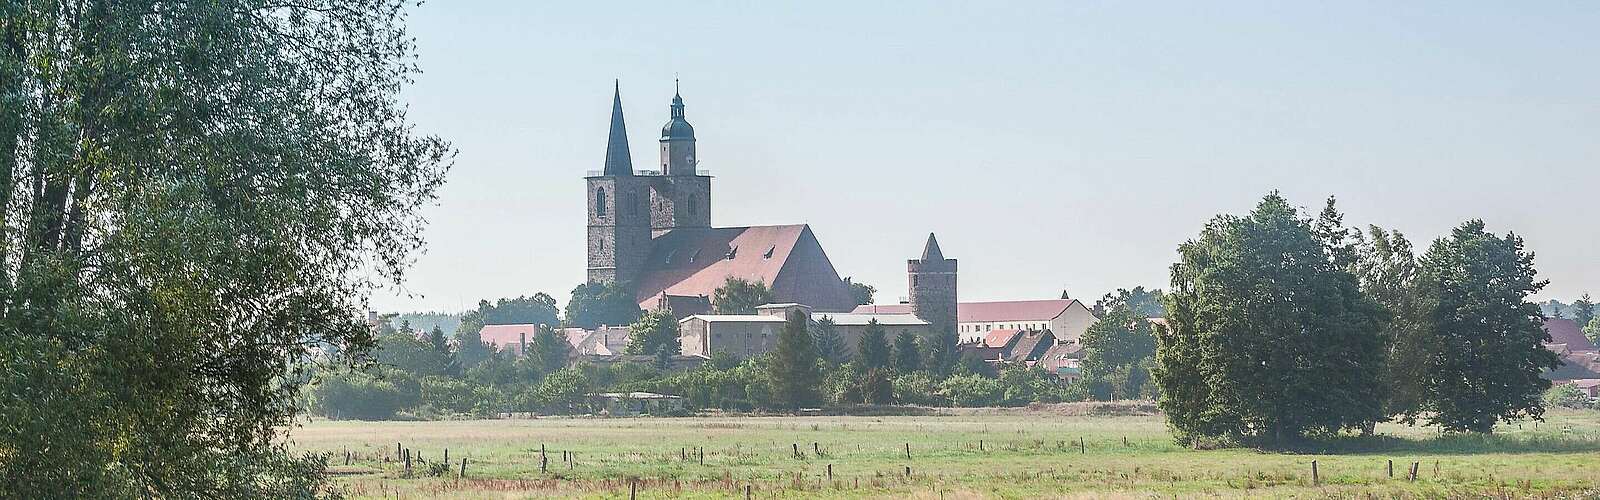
(682, 197)
(618, 218)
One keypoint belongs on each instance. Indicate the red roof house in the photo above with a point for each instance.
(788, 258)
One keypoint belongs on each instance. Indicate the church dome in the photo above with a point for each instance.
(677, 128)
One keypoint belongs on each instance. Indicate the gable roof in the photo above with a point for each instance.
(1031, 345)
(1566, 331)
(854, 319)
(1000, 338)
(788, 258)
(501, 336)
(983, 312)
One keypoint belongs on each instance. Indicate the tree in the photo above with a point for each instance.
(548, 350)
(861, 292)
(830, 345)
(740, 296)
(1592, 330)
(595, 304)
(404, 351)
(873, 348)
(196, 198)
(1141, 302)
(1583, 310)
(1387, 267)
(1116, 349)
(1271, 337)
(793, 370)
(907, 353)
(655, 332)
(1487, 339)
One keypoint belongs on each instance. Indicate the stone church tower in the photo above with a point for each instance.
(619, 215)
(681, 198)
(933, 287)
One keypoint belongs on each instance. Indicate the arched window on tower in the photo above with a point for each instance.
(694, 204)
(600, 202)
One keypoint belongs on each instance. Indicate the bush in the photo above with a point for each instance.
(918, 388)
(972, 390)
(357, 396)
(1566, 396)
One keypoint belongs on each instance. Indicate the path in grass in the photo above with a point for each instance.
(1018, 455)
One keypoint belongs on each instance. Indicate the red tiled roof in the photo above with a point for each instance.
(999, 338)
(501, 336)
(1566, 331)
(788, 258)
(980, 312)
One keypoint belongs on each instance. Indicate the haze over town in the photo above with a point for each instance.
(1051, 146)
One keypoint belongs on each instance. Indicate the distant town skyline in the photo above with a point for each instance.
(1049, 146)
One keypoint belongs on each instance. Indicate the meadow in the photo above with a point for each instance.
(1054, 452)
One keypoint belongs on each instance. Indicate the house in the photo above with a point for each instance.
(1579, 358)
(508, 338)
(748, 335)
(1566, 333)
(1063, 360)
(1029, 346)
(1067, 319)
(1588, 386)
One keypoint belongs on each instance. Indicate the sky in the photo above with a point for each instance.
(1064, 145)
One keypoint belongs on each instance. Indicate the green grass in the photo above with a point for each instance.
(1023, 455)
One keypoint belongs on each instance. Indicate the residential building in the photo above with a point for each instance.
(1067, 319)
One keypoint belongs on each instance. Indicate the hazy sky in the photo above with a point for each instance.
(1050, 145)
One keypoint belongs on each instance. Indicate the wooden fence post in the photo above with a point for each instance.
(633, 489)
(1391, 468)
(1083, 448)
(747, 492)
(908, 451)
(463, 473)
(1314, 477)
(796, 449)
(815, 449)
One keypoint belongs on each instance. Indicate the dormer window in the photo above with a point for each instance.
(733, 252)
(768, 255)
(694, 255)
(668, 259)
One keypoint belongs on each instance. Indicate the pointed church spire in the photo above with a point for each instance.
(618, 160)
(930, 252)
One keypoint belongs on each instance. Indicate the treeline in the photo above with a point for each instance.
(1284, 325)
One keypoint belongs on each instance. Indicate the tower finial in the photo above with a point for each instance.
(930, 251)
(618, 160)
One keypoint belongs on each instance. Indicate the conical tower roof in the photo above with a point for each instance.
(618, 160)
(930, 251)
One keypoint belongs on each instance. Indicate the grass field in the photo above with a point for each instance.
(993, 454)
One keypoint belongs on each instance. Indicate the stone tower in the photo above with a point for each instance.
(619, 216)
(681, 198)
(933, 288)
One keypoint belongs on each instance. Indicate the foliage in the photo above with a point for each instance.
(973, 390)
(195, 198)
(740, 296)
(1141, 302)
(842, 385)
(830, 344)
(358, 395)
(1592, 331)
(1271, 337)
(449, 322)
(1486, 338)
(655, 332)
(941, 353)
(1387, 267)
(1116, 350)
(873, 347)
(907, 353)
(563, 392)
(1566, 396)
(405, 351)
(549, 352)
(1583, 310)
(793, 371)
(595, 304)
(877, 386)
(918, 388)
(862, 293)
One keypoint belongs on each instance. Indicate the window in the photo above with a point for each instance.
(768, 255)
(600, 202)
(694, 204)
(694, 255)
(732, 252)
(633, 204)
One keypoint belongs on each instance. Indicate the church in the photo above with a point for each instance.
(651, 231)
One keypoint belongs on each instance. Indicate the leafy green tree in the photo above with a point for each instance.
(862, 293)
(1387, 267)
(842, 385)
(655, 332)
(740, 296)
(1116, 349)
(1143, 303)
(403, 351)
(564, 391)
(540, 309)
(1271, 337)
(973, 391)
(793, 371)
(1592, 330)
(941, 353)
(1583, 310)
(549, 350)
(877, 386)
(595, 304)
(1487, 339)
(1566, 396)
(830, 344)
(873, 348)
(918, 388)
(907, 353)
